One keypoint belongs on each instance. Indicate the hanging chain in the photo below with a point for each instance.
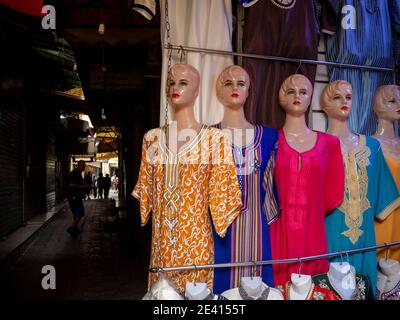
(168, 29)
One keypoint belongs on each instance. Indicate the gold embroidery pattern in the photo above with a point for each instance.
(180, 204)
(355, 201)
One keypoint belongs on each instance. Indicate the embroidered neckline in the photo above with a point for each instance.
(264, 294)
(355, 201)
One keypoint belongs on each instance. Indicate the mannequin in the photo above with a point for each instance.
(308, 163)
(388, 287)
(182, 178)
(370, 191)
(162, 290)
(301, 287)
(246, 291)
(344, 282)
(387, 108)
(253, 152)
(342, 278)
(196, 291)
(252, 285)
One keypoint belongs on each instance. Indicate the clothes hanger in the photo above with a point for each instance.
(182, 54)
(196, 290)
(253, 285)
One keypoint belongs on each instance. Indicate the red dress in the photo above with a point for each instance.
(310, 184)
(315, 293)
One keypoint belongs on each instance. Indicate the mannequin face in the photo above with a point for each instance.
(232, 87)
(295, 95)
(336, 99)
(183, 85)
(387, 103)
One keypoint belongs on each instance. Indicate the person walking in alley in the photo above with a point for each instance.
(107, 185)
(76, 190)
(94, 186)
(88, 181)
(100, 185)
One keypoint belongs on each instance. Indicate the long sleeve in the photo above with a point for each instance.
(225, 194)
(387, 195)
(143, 190)
(334, 179)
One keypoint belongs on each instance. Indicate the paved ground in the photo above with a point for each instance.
(109, 260)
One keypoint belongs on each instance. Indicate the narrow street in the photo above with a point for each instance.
(109, 260)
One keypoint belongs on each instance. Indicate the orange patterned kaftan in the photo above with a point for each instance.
(199, 177)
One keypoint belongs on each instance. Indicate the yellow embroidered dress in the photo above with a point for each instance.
(370, 192)
(389, 230)
(180, 189)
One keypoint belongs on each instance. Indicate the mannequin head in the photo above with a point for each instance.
(232, 87)
(336, 99)
(387, 102)
(295, 95)
(183, 85)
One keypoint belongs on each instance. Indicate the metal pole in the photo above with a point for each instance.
(274, 58)
(269, 262)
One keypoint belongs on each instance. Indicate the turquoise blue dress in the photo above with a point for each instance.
(370, 192)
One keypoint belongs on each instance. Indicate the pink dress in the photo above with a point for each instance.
(310, 185)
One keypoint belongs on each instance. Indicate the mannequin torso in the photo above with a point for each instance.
(253, 152)
(303, 157)
(267, 293)
(197, 291)
(388, 279)
(342, 279)
(300, 287)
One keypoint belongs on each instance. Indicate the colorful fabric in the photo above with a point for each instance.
(369, 43)
(310, 185)
(248, 237)
(179, 189)
(315, 293)
(370, 192)
(362, 291)
(389, 229)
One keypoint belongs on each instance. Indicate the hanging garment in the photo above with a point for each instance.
(368, 42)
(204, 24)
(199, 177)
(286, 29)
(248, 237)
(389, 229)
(363, 289)
(310, 184)
(145, 7)
(370, 192)
(315, 293)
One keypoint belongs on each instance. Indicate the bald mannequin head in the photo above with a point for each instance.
(295, 94)
(183, 85)
(232, 86)
(336, 99)
(387, 102)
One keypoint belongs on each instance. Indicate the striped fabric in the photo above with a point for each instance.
(369, 44)
(270, 205)
(248, 237)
